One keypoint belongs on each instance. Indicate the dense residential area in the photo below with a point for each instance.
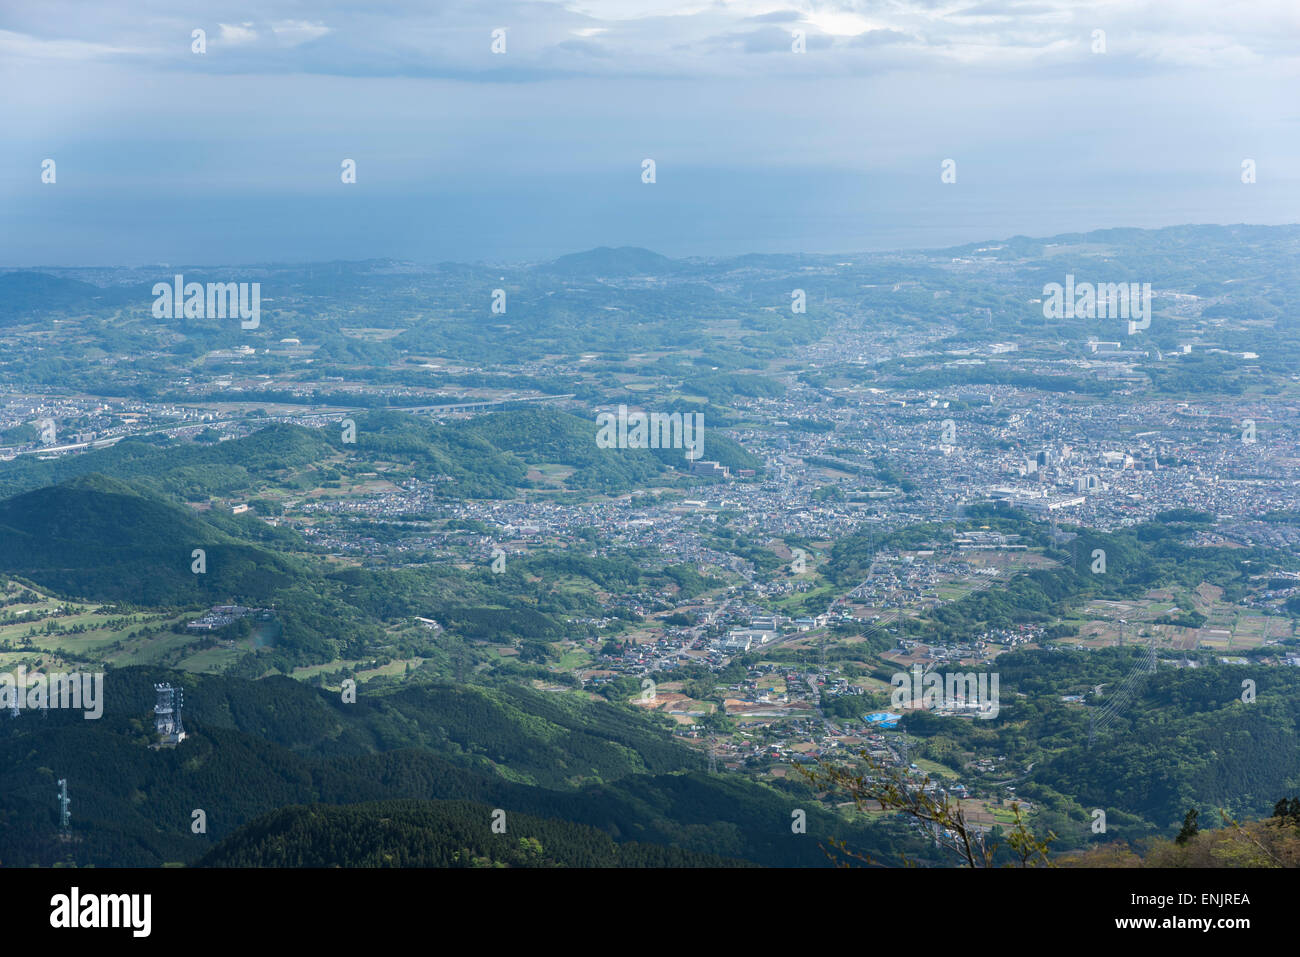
(932, 536)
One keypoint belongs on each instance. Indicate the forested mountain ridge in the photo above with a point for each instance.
(432, 834)
(257, 746)
(482, 457)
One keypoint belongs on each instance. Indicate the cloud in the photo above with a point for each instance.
(756, 145)
(842, 23)
(21, 45)
(583, 48)
(999, 9)
(237, 33)
(677, 39)
(874, 38)
(294, 32)
(777, 16)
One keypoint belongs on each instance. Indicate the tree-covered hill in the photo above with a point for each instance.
(1186, 739)
(622, 261)
(431, 834)
(26, 294)
(182, 470)
(486, 456)
(100, 539)
(97, 538)
(258, 746)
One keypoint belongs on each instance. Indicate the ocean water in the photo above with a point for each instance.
(687, 212)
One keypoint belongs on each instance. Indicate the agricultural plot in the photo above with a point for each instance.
(1226, 626)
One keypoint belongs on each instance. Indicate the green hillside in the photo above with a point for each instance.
(97, 538)
(190, 470)
(486, 456)
(258, 746)
(431, 834)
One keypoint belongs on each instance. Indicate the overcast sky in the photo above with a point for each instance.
(234, 155)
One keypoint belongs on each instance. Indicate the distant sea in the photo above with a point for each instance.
(688, 212)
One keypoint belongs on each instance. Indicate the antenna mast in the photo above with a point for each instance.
(65, 817)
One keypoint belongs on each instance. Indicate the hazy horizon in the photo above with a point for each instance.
(704, 257)
(233, 155)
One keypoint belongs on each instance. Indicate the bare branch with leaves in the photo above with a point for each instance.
(894, 789)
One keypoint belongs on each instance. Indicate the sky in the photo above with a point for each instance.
(234, 155)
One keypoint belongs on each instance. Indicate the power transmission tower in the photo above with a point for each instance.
(1125, 693)
(167, 714)
(65, 817)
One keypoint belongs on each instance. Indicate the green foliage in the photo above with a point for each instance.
(191, 471)
(431, 834)
(258, 746)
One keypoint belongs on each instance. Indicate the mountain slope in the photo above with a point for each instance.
(431, 834)
(607, 261)
(255, 747)
(97, 538)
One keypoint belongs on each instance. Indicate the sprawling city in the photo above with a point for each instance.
(631, 535)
